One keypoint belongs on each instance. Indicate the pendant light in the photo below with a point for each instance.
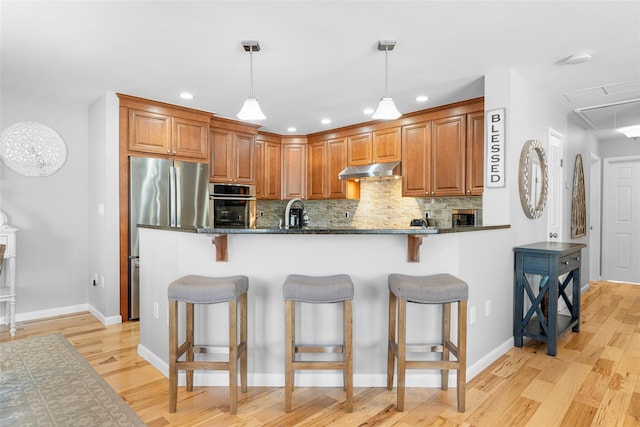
(386, 108)
(251, 109)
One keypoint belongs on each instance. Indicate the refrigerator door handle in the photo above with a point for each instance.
(172, 196)
(178, 192)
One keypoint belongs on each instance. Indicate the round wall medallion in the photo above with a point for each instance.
(32, 149)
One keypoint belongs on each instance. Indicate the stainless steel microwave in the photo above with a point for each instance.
(232, 205)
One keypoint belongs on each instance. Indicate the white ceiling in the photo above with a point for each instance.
(319, 58)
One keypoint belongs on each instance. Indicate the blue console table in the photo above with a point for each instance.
(540, 320)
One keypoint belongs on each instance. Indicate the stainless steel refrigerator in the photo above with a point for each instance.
(165, 193)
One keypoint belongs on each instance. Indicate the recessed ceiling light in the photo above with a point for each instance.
(291, 129)
(422, 98)
(186, 95)
(325, 121)
(368, 111)
(578, 58)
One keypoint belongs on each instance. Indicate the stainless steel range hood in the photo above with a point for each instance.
(373, 170)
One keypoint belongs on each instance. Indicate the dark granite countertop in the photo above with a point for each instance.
(322, 230)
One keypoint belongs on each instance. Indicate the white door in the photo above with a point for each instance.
(594, 216)
(554, 195)
(621, 219)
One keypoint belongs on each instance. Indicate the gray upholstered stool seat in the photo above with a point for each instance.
(193, 290)
(314, 289)
(207, 290)
(435, 289)
(443, 289)
(318, 290)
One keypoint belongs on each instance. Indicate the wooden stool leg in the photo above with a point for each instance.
(190, 343)
(391, 354)
(289, 344)
(446, 338)
(233, 355)
(348, 352)
(462, 355)
(402, 351)
(173, 355)
(243, 340)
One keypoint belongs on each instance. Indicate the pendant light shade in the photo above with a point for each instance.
(386, 108)
(630, 131)
(251, 109)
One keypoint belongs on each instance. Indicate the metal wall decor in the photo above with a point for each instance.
(578, 201)
(32, 149)
(532, 179)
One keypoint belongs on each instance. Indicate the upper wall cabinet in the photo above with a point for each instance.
(294, 167)
(378, 146)
(233, 148)
(268, 167)
(163, 130)
(325, 160)
(444, 156)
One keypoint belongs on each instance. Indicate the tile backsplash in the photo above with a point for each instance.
(381, 205)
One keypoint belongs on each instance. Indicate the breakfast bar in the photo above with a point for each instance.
(367, 255)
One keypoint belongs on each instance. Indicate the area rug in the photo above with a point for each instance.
(44, 381)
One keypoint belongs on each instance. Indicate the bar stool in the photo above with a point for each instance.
(207, 290)
(318, 290)
(436, 289)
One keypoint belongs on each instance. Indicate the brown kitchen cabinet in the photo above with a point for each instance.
(475, 154)
(294, 167)
(268, 167)
(444, 156)
(325, 160)
(233, 148)
(166, 134)
(379, 146)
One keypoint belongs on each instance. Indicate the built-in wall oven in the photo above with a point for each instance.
(232, 206)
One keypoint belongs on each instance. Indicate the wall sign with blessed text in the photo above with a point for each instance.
(494, 165)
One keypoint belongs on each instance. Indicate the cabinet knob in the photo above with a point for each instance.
(174, 151)
(168, 151)
(566, 263)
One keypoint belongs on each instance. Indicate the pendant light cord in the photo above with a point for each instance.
(251, 71)
(386, 70)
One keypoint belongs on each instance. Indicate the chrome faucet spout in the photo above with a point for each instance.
(287, 210)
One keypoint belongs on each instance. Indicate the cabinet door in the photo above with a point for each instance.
(260, 171)
(317, 170)
(386, 145)
(416, 160)
(359, 149)
(448, 154)
(336, 161)
(475, 153)
(190, 138)
(272, 171)
(221, 162)
(294, 160)
(243, 155)
(149, 132)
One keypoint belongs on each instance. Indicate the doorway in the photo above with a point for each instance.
(621, 219)
(555, 177)
(595, 217)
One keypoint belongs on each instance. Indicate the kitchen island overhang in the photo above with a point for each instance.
(368, 257)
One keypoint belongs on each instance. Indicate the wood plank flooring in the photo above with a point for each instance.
(593, 381)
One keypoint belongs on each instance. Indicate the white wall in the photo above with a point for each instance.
(103, 208)
(51, 212)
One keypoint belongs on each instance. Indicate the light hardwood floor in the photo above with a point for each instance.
(593, 381)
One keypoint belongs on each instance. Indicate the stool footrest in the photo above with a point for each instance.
(318, 365)
(210, 349)
(202, 365)
(431, 364)
(315, 348)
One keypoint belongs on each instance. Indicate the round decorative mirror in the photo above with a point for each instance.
(32, 149)
(532, 179)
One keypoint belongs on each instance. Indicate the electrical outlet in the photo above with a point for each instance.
(472, 315)
(94, 279)
(346, 214)
(261, 214)
(487, 308)
(156, 310)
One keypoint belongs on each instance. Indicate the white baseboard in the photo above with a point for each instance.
(61, 311)
(414, 378)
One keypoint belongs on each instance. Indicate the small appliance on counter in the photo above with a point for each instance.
(295, 217)
(466, 217)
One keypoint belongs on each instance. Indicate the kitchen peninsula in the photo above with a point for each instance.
(268, 255)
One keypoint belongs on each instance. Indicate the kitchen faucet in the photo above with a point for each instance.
(287, 212)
